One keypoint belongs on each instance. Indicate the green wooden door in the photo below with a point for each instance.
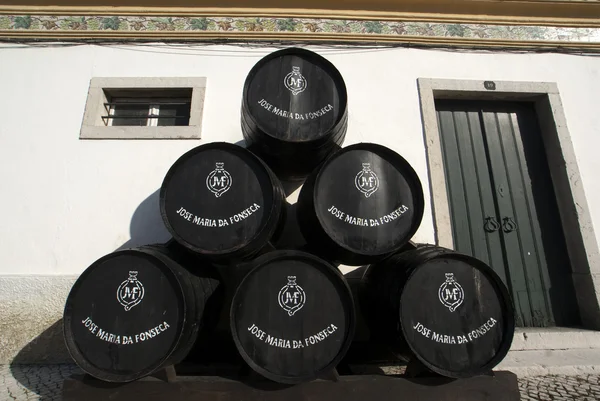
(503, 207)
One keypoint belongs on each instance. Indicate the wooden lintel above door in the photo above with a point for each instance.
(531, 12)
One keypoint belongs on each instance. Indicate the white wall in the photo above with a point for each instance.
(67, 201)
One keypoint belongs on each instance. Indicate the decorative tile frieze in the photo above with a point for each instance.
(89, 25)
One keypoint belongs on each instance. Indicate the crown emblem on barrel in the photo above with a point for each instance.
(366, 180)
(219, 180)
(291, 296)
(295, 82)
(451, 293)
(130, 292)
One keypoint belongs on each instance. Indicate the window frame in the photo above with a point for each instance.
(153, 103)
(102, 89)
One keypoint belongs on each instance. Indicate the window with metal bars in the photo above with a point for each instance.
(144, 108)
(147, 111)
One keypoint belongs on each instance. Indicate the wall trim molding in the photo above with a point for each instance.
(582, 245)
(226, 29)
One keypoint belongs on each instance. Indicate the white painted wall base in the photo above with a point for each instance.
(31, 311)
(554, 338)
(571, 362)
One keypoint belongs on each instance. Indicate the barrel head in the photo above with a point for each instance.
(124, 316)
(295, 95)
(456, 315)
(294, 111)
(368, 202)
(219, 199)
(292, 317)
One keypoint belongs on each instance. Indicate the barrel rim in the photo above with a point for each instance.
(418, 197)
(337, 76)
(69, 338)
(271, 219)
(508, 316)
(258, 263)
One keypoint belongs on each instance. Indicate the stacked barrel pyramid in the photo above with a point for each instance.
(289, 312)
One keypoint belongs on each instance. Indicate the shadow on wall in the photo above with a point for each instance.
(42, 365)
(147, 226)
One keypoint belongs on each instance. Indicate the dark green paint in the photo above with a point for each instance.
(497, 172)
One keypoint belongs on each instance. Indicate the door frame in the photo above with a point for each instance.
(570, 195)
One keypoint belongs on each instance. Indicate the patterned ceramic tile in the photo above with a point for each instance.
(42, 23)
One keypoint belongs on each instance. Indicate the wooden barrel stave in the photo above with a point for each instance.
(291, 163)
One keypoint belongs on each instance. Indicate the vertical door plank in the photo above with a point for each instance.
(481, 180)
(512, 247)
(455, 182)
(510, 192)
(553, 263)
(474, 238)
(525, 218)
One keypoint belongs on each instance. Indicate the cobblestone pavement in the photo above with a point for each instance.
(44, 383)
(580, 388)
(33, 382)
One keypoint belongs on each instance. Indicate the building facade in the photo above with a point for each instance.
(494, 106)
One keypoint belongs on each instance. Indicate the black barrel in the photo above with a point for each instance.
(292, 317)
(294, 111)
(363, 204)
(222, 202)
(449, 311)
(133, 312)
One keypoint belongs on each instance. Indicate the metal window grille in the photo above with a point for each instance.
(149, 112)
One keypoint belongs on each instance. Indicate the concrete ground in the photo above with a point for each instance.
(44, 382)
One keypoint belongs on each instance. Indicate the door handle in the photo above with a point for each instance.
(508, 225)
(491, 224)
